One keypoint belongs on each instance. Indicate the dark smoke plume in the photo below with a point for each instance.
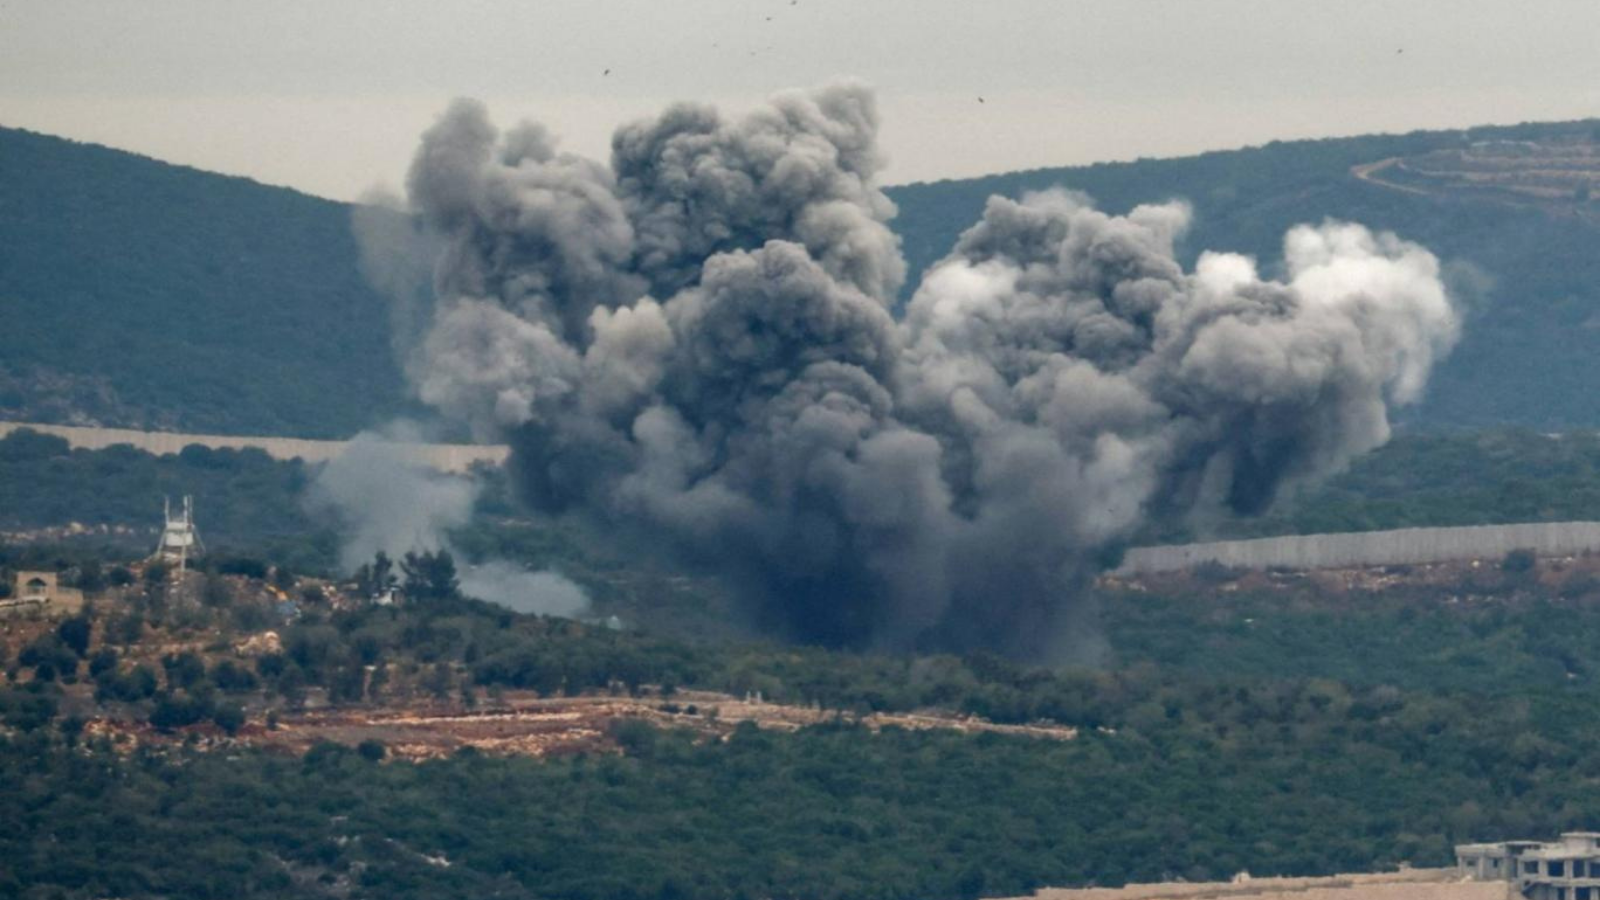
(694, 343)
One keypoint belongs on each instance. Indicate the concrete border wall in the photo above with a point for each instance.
(1410, 884)
(1372, 548)
(444, 457)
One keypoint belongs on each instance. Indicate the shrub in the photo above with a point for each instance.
(1518, 562)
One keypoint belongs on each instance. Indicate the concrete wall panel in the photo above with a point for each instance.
(1372, 548)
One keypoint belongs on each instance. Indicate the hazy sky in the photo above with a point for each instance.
(329, 97)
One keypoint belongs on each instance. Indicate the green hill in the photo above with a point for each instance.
(142, 294)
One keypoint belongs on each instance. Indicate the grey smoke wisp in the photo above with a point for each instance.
(545, 593)
(694, 344)
(396, 258)
(385, 500)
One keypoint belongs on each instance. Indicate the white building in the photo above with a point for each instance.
(1568, 869)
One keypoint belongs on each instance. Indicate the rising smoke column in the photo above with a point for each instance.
(694, 344)
(1082, 382)
(385, 500)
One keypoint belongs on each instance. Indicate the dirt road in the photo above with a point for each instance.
(1369, 173)
(521, 723)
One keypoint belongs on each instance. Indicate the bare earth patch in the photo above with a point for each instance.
(521, 723)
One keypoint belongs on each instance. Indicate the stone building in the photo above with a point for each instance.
(1568, 869)
(41, 591)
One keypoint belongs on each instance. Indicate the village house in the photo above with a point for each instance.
(1568, 869)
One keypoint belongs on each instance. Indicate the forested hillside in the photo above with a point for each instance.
(1439, 479)
(1226, 731)
(142, 294)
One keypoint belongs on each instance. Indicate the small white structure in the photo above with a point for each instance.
(179, 537)
(41, 591)
(1568, 869)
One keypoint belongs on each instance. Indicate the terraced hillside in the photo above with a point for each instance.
(1559, 176)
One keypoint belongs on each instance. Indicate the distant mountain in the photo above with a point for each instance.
(137, 293)
(142, 294)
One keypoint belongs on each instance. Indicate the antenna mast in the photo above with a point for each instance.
(178, 536)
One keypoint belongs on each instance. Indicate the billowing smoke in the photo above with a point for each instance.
(694, 345)
(397, 258)
(385, 500)
(544, 593)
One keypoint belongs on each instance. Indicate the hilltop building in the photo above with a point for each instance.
(180, 539)
(1568, 869)
(41, 591)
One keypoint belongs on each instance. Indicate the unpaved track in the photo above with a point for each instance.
(521, 723)
(1369, 172)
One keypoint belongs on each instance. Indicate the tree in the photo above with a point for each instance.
(104, 660)
(347, 684)
(126, 628)
(430, 575)
(229, 717)
(1518, 562)
(636, 737)
(247, 566)
(139, 684)
(437, 681)
(74, 634)
(230, 677)
(50, 659)
(283, 578)
(71, 728)
(291, 685)
(26, 709)
(180, 709)
(376, 577)
(185, 670)
(142, 682)
(91, 578)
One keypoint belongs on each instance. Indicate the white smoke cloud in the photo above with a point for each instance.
(541, 593)
(385, 500)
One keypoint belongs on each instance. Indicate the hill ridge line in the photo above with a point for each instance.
(443, 457)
